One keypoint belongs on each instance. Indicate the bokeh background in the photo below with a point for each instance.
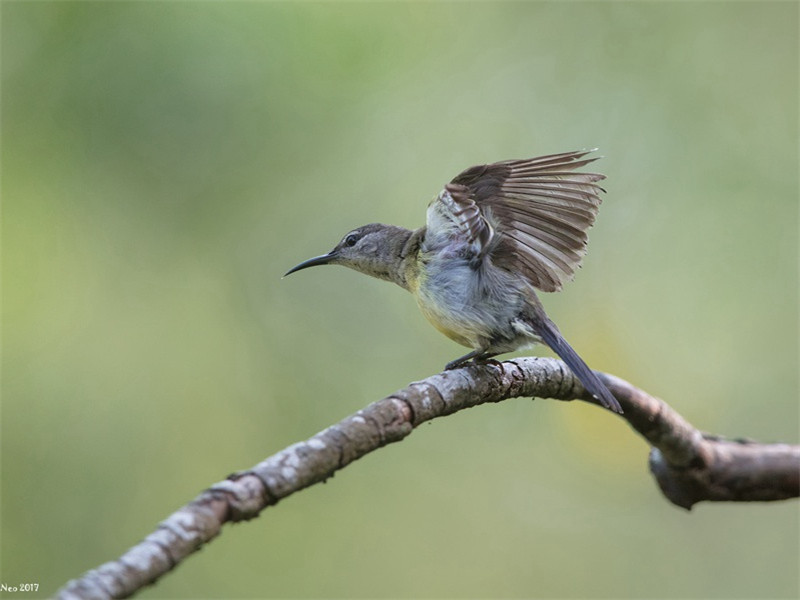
(163, 164)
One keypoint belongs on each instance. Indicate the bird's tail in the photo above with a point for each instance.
(551, 336)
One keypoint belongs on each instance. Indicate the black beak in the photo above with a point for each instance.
(312, 262)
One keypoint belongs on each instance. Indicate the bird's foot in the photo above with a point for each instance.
(466, 361)
(490, 361)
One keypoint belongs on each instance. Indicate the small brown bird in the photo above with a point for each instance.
(493, 234)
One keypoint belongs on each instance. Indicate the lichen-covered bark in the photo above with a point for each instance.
(688, 465)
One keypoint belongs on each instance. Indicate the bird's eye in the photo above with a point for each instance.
(351, 240)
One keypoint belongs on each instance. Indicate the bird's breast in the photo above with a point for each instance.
(470, 306)
(443, 321)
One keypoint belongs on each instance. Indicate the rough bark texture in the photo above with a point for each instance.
(688, 465)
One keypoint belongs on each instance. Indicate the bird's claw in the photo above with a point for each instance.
(457, 364)
(492, 361)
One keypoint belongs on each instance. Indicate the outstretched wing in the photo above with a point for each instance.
(529, 216)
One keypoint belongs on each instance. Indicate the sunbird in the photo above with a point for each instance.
(493, 235)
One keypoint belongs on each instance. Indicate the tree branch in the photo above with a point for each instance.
(688, 465)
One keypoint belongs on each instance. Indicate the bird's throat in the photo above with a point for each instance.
(410, 271)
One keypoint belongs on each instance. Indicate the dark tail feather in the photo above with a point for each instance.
(553, 338)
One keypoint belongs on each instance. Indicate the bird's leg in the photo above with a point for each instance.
(478, 355)
(486, 359)
(454, 364)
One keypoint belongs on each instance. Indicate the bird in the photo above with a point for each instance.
(493, 236)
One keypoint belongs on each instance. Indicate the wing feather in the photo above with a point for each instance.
(550, 255)
(529, 215)
(557, 199)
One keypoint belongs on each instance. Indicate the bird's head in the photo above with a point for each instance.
(373, 249)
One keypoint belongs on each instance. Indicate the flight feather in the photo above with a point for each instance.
(528, 216)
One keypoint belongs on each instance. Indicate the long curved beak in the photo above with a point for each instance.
(312, 262)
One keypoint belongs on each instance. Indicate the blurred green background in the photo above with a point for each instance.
(165, 163)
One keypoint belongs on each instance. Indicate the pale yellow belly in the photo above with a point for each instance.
(442, 312)
(444, 325)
